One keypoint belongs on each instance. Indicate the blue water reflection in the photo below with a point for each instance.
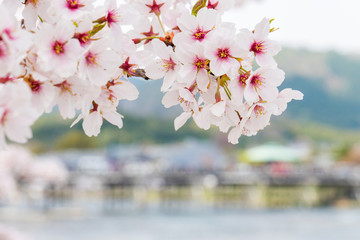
(205, 224)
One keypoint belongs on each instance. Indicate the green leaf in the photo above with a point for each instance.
(97, 28)
(198, 5)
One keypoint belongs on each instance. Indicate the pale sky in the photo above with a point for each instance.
(314, 24)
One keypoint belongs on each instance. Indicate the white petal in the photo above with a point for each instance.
(77, 120)
(125, 90)
(207, 18)
(186, 95)
(202, 80)
(218, 109)
(262, 29)
(155, 70)
(265, 59)
(234, 135)
(181, 120)
(268, 92)
(169, 79)
(170, 99)
(250, 94)
(114, 118)
(161, 49)
(92, 124)
(274, 77)
(289, 94)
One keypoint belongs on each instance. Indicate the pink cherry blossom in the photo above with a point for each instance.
(57, 50)
(259, 43)
(70, 9)
(98, 64)
(16, 115)
(220, 5)
(81, 55)
(224, 55)
(165, 66)
(33, 10)
(196, 29)
(262, 84)
(194, 68)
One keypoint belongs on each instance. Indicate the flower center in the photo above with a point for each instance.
(90, 59)
(256, 80)
(34, 85)
(199, 34)
(199, 63)
(58, 47)
(82, 37)
(243, 78)
(257, 47)
(223, 53)
(168, 64)
(113, 16)
(259, 110)
(64, 86)
(33, 2)
(73, 4)
(128, 67)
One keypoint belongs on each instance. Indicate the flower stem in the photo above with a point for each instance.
(162, 26)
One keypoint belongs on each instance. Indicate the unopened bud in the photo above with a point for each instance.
(217, 96)
(137, 40)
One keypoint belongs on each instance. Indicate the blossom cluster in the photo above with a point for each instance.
(81, 55)
(20, 170)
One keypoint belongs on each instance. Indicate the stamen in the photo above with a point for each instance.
(223, 53)
(199, 63)
(257, 47)
(168, 64)
(243, 78)
(256, 81)
(91, 59)
(58, 47)
(74, 4)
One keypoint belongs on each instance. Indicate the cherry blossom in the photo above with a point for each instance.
(259, 43)
(224, 54)
(57, 51)
(196, 29)
(195, 67)
(98, 64)
(16, 113)
(166, 66)
(81, 56)
(262, 84)
(220, 5)
(70, 9)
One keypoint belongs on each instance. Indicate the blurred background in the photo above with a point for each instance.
(297, 179)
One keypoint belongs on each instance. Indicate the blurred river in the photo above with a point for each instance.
(199, 224)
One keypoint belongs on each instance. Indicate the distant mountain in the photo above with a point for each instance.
(337, 74)
(330, 83)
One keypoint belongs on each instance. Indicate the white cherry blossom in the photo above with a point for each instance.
(80, 56)
(165, 66)
(259, 43)
(196, 29)
(57, 50)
